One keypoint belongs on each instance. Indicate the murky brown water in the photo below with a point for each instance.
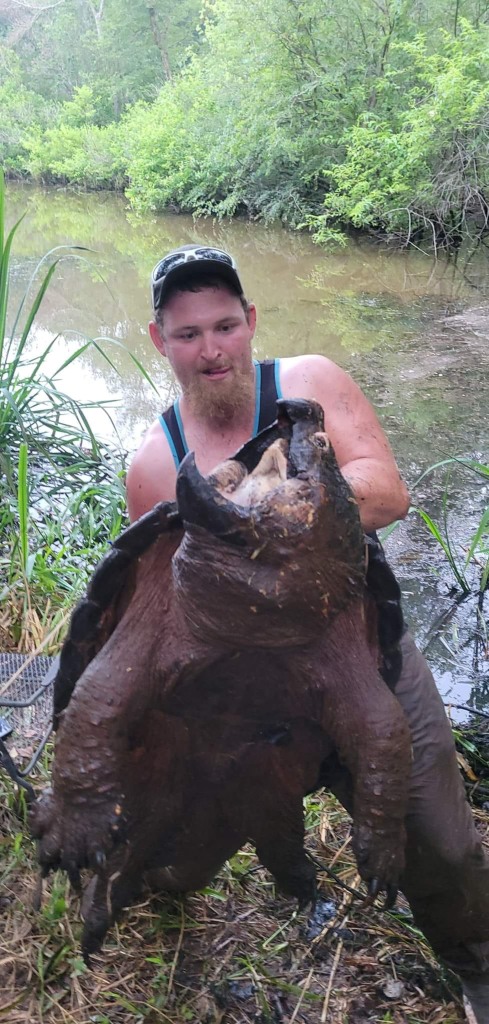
(387, 317)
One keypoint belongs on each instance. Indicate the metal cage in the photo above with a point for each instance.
(26, 712)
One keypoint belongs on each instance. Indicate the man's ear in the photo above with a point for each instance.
(251, 317)
(156, 337)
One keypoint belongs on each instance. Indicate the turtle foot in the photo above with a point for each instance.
(75, 837)
(380, 858)
(375, 887)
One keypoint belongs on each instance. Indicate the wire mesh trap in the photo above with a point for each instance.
(26, 703)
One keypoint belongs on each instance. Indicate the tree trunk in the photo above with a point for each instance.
(158, 36)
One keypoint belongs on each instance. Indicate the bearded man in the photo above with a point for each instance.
(204, 326)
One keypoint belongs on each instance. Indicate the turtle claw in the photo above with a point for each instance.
(374, 888)
(390, 897)
(37, 896)
(87, 960)
(73, 873)
(99, 860)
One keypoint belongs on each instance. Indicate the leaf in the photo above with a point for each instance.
(465, 766)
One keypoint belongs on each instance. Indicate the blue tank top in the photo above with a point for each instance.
(267, 391)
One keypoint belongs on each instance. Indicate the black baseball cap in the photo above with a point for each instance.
(176, 266)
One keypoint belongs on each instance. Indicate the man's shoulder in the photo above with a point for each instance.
(303, 375)
(152, 439)
(151, 474)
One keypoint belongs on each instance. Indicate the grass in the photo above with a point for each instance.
(236, 953)
(53, 535)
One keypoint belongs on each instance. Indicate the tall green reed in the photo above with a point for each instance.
(33, 408)
(61, 491)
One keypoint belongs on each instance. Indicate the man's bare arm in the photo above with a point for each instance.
(361, 446)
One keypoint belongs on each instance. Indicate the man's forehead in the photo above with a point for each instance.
(201, 302)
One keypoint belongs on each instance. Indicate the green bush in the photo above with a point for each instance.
(240, 130)
(76, 150)
(425, 167)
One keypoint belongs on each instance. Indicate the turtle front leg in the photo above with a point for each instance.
(82, 817)
(371, 735)
(380, 770)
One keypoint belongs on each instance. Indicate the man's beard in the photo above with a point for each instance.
(225, 400)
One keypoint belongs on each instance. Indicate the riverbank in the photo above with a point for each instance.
(235, 954)
(281, 118)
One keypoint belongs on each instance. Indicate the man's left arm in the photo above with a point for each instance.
(363, 452)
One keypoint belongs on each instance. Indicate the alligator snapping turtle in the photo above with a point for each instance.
(226, 646)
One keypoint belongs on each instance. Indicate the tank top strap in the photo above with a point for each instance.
(171, 422)
(269, 392)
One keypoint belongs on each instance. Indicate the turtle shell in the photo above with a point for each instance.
(108, 594)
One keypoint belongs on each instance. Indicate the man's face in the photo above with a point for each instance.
(207, 336)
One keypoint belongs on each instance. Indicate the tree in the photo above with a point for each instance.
(124, 51)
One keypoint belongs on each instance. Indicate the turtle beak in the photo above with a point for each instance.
(201, 504)
(310, 452)
(201, 501)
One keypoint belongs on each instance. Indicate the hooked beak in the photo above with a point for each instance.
(200, 503)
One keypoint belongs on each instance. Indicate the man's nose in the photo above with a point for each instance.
(211, 345)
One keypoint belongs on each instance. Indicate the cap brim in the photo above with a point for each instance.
(205, 268)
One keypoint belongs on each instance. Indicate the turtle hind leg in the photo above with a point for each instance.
(278, 835)
(290, 866)
(275, 777)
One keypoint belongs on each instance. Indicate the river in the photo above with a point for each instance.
(412, 331)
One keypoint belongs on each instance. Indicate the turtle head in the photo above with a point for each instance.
(271, 536)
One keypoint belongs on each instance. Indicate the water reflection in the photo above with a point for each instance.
(387, 317)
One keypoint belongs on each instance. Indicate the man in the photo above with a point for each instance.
(204, 326)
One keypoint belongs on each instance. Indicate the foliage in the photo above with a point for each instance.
(21, 110)
(422, 166)
(76, 150)
(371, 115)
(470, 568)
(476, 546)
(124, 52)
(54, 530)
(32, 408)
(247, 126)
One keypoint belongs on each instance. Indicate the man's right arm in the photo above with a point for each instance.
(151, 477)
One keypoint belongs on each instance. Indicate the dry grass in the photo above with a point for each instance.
(235, 954)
